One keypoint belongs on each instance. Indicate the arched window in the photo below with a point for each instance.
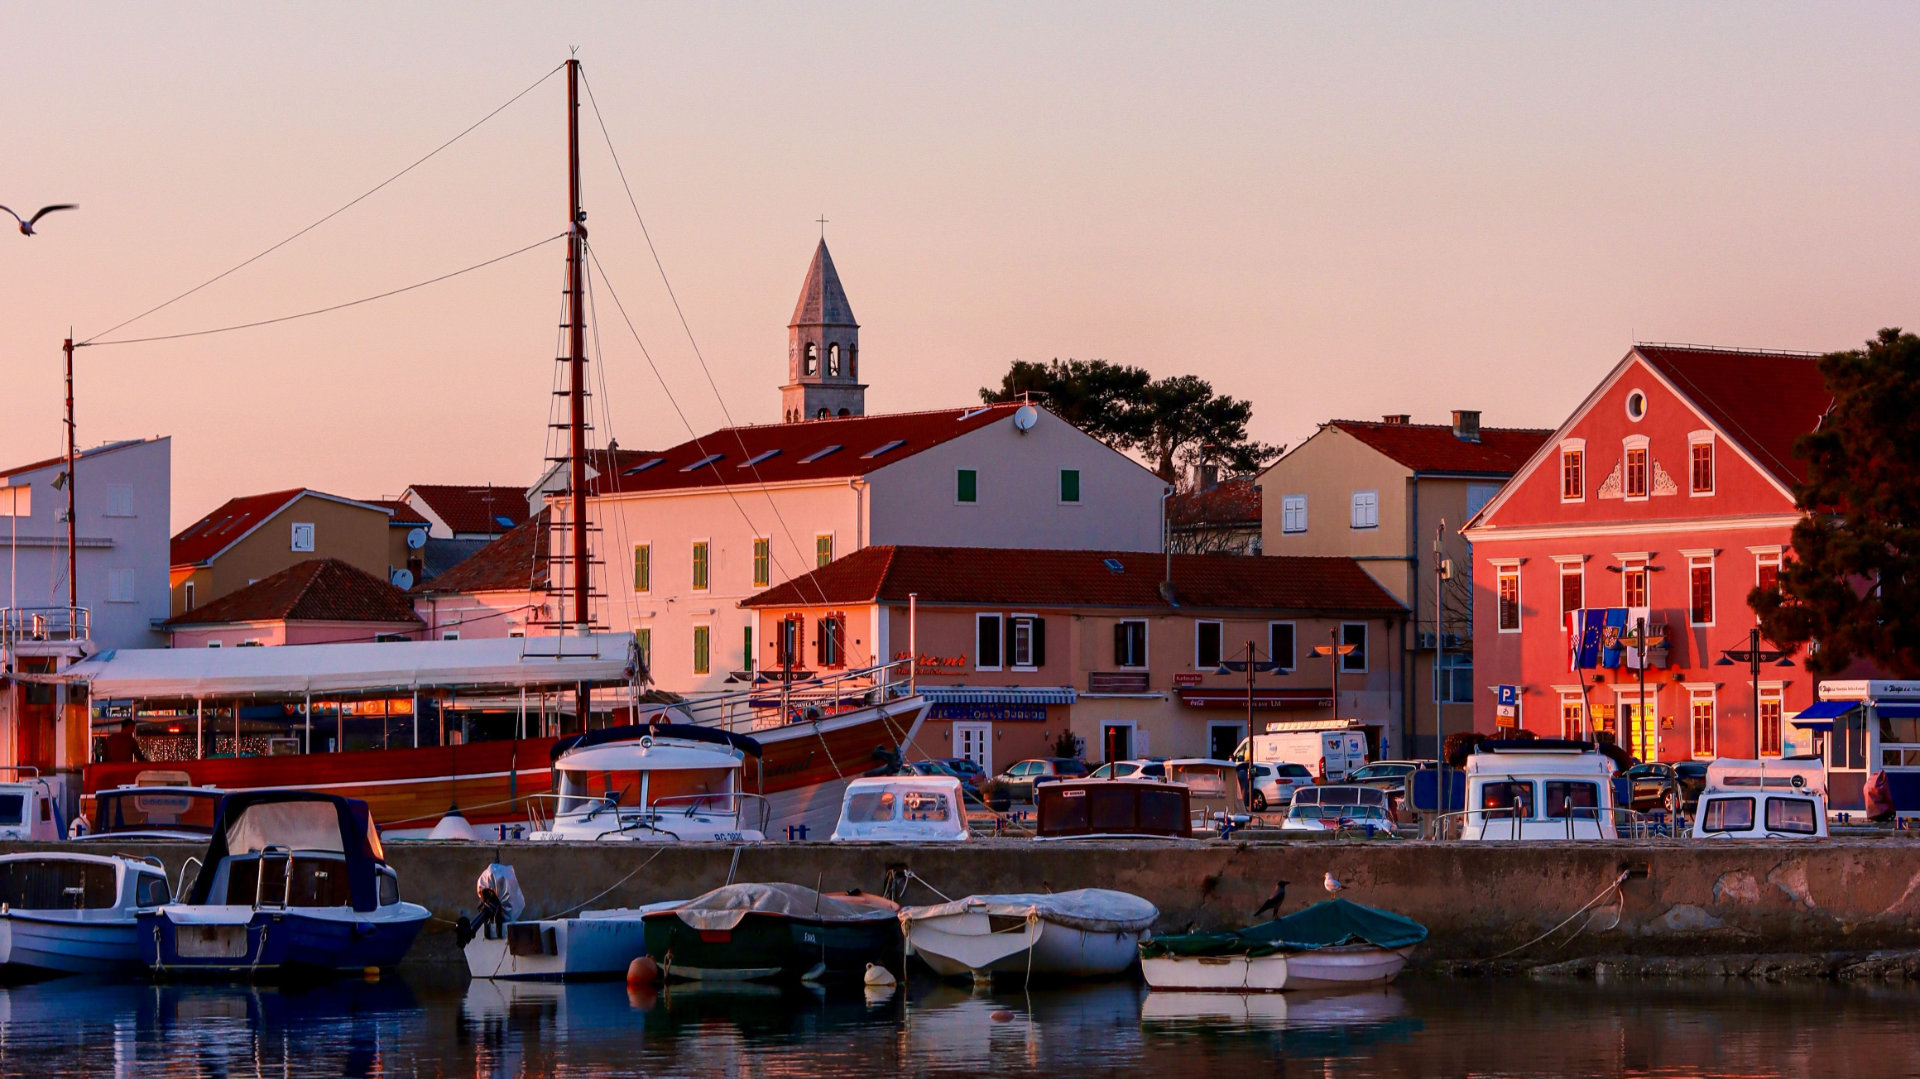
(833, 360)
(813, 359)
(823, 414)
(853, 361)
(846, 412)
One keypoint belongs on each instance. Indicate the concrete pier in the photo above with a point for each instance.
(1678, 898)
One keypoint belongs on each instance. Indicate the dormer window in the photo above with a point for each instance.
(812, 364)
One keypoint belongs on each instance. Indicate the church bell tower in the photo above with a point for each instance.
(823, 350)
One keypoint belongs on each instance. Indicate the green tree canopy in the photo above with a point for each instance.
(1853, 584)
(1170, 421)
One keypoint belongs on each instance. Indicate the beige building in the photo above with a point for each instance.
(1381, 493)
(252, 538)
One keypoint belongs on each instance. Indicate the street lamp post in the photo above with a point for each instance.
(1753, 655)
(1252, 664)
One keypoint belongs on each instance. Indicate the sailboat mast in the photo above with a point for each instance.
(73, 559)
(577, 380)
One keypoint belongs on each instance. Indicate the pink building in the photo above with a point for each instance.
(1016, 647)
(321, 601)
(1665, 498)
(495, 592)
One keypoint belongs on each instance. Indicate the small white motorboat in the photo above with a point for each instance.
(1335, 944)
(28, 809)
(588, 945)
(909, 809)
(659, 783)
(74, 913)
(1088, 933)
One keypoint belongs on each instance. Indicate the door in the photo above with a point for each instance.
(1223, 739)
(974, 741)
(1641, 728)
(1116, 741)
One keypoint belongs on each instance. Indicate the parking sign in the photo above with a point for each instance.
(1506, 703)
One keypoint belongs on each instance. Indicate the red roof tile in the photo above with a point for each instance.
(201, 540)
(403, 514)
(1763, 400)
(516, 562)
(482, 508)
(1064, 578)
(790, 452)
(318, 590)
(1432, 447)
(1230, 502)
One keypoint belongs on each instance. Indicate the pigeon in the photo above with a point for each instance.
(26, 223)
(1273, 902)
(1333, 886)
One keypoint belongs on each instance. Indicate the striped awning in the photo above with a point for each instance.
(998, 694)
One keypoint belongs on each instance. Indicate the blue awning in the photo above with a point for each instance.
(1897, 711)
(1820, 717)
(998, 694)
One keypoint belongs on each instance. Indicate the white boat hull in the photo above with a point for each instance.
(960, 945)
(47, 943)
(1222, 973)
(1344, 967)
(597, 944)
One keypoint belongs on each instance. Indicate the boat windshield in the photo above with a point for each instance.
(13, 808)
(148, 810)
(580, 790)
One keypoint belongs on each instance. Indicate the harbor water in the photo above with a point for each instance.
(434, 1023)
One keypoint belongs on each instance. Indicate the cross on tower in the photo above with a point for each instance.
(823, 226)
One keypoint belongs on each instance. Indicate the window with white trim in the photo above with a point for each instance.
(1130, 643)
(1507, 588)
(1573, 588)
(1766, 571)
(1366, 509)
(1355, 634)
(1772, 707)
(1634, 479)
(1700, 591)
(1633, 584)
(119, 500)
(1700, 706)
(1573, 715)
(1280, 645)
(120, 586)
(1700, 463)
(1293, 513)
(1573, 470)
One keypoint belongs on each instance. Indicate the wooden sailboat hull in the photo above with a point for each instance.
(802, 770)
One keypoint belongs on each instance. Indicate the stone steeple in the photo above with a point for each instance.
(823, 349)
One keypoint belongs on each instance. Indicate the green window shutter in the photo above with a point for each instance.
(1069, 485)
(746, 650)
(823, 549)
(967, 485)
(642, 568)
(700, 651)
(700, 565)
(762, 559)
(643, 643)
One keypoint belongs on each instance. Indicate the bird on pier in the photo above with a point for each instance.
(26, 223)
(1333, 886)
(1273, 902)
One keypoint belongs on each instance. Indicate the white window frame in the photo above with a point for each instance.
(653, 568)
(1197, 623)
(213, 644)
(186, 596)
(1703, 438)
(1627, 446)
(1501, 570)
(1696, 694)
(1293, 514)
(999, 634)
(1079, 488)
(1365, 506)
(1571, 567)
(975, 500)
(1579, 701)
(294, 538)
(1293, 657)
(1777, 693)
(1695, 561)
(1366, 647)
(1579, 446)
(1006, 646)
(119, 500)
(1146, 642)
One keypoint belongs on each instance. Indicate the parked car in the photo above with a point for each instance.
(942, 768)
(1693, 781)
(966, 768)
(1275, 782)
(1148, 768)
(1389, 776)
(1659, 786)
(1020, 779)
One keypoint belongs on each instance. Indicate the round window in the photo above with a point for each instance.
(1636, 405)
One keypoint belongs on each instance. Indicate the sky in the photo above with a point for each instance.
(1337, 210)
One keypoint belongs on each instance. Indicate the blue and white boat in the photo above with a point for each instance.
(294, 883)
(66, 913)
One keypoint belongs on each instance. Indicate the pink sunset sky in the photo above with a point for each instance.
(1342, 210)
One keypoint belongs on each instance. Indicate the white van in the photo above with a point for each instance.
(1751, 799)
(1543, 789)
(1335, 752)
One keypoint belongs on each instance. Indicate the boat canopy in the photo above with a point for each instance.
(250, 821)
(1094, 910)
(691, 732)
(1329, 924)
(506, 662)
(724, 908)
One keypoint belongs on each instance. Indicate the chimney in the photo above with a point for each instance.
(1396, 419)
(1466, 424)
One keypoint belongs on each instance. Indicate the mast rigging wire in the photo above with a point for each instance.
(350, 205)
(324, 310)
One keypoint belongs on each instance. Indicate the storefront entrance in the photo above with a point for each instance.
(1639, 730)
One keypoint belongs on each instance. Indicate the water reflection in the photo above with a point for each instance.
(438, 1024)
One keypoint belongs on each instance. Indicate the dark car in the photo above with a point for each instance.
(940, 766)
(1019, 780)
(1693, 780)
(1659, 786)
(966, 768)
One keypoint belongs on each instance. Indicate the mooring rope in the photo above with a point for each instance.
(1613, 887)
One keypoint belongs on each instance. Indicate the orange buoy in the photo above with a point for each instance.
(1002, 1016)
(643, 972)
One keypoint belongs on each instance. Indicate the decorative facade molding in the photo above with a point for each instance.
(1610, 487)
(1662, 483)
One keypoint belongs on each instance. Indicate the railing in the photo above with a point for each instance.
(750, 812)
(774, 704)
(1627, 824)
(44, 624)
(260, 875)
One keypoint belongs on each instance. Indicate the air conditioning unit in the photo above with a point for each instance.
(1455, 641)
(1423, 640)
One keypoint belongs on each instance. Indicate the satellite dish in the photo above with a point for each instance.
(401, 578)
(416, 539)
(1025, 417)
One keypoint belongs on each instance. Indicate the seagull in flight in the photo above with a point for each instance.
(1334, 887)
(26, 223)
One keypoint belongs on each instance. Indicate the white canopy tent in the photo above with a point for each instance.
(311, 669)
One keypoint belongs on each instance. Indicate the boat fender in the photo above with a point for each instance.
(643, 972)
(1002, 1016)
(879, 975)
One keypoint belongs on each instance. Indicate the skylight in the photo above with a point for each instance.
(703, 462)
(1114, 565)
(644, 465)
(878, 450)
(817, 454)
(502, 520)
(757, 458)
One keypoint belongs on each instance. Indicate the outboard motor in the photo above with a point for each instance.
(500, 900)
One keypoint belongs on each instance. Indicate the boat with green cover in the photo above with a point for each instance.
(1332, 944)
(775, 932)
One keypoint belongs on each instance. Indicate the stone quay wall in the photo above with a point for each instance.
(1478, 900)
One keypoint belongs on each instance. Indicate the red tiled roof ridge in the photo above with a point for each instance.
(1341, 422)
(351, 595)
(1767, 426)
(869, 417)
(1737, 350)
(510, 563)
